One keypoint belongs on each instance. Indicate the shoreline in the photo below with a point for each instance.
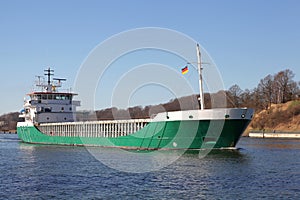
(8, 132)
(273, 134)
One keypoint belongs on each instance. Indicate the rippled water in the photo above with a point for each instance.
(259, 168)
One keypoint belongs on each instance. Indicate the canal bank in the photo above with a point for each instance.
(274, 134)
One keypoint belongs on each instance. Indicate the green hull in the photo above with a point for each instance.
(156, 135)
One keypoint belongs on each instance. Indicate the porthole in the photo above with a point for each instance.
(191, 116)
(226, 116)
(243, 116)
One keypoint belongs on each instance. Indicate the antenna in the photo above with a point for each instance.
(49, 73)
(39, 80)
(59, 81)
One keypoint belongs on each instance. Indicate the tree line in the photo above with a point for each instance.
(272, 89)
(9, 121)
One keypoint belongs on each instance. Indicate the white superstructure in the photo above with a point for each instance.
(48, 105)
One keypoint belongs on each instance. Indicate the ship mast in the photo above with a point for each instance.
(50, 85)
(49, 73)
(201, 98)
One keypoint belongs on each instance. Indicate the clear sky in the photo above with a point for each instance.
(247, 39)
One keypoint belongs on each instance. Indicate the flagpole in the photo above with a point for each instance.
(201, 99)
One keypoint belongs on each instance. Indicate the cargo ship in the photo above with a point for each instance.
(49, 118)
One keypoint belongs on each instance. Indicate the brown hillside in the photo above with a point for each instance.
(279, 117)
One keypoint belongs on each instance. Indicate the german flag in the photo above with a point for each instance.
(185, 70)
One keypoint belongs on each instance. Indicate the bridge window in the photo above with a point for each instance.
(34, 97)
(50, 96)
(48, 109)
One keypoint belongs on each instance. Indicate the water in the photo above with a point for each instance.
(259, 168)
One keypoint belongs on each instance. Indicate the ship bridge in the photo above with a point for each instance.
(47, 105)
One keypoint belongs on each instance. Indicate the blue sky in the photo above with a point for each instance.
(247, 39)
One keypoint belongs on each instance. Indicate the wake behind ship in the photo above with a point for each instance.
(49, 118)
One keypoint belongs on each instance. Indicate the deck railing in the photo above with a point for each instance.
(115, 128)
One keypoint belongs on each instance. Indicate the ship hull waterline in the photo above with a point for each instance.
(156, 135)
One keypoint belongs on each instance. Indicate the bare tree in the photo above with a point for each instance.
(234, 94)
(247, 99)
(258, 101)
(265, 87)
(284, 86)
